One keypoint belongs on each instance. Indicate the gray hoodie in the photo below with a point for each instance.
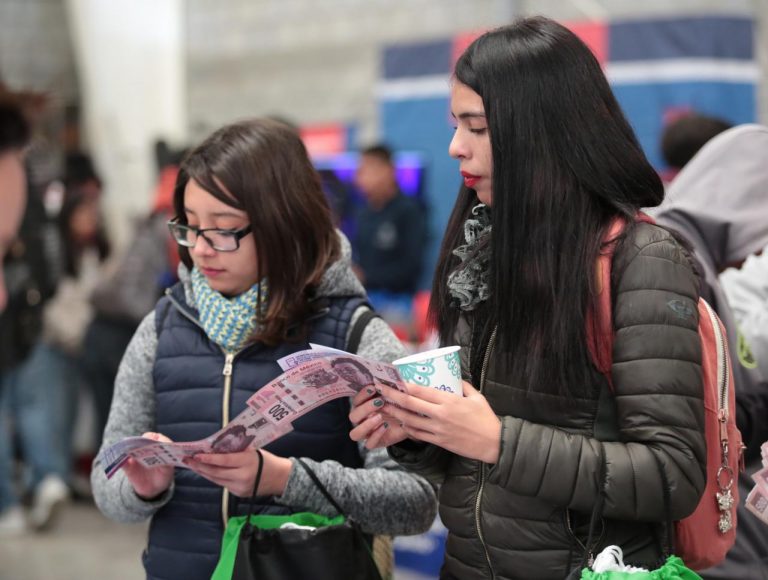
(719, 203)
(747, 291)
(381, 496)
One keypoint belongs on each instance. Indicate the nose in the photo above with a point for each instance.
(202, 247)
(457, 148)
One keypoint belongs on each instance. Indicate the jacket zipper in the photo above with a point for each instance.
(722, 381)
(481, 478)
(229, 358)
(722, 367)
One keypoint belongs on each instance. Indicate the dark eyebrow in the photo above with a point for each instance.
(217, 214)
(469, 115)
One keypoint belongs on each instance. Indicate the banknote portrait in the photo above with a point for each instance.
(354, 372)
(232, 440)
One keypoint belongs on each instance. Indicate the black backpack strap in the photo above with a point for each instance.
(357, 330)
(321, 487)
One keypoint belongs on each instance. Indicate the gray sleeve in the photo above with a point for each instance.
(378, 341)
(132, 413)
(382, 497)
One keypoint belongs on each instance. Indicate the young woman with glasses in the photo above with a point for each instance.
(263, 273)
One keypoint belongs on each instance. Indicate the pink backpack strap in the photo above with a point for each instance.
(600, 324)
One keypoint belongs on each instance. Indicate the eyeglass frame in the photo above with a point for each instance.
(237, 235)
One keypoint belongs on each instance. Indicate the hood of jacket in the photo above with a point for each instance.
(721, 196)
(338, 279)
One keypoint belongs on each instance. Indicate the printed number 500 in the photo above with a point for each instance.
(278, 412)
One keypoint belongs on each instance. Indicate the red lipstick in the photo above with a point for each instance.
(469, 179)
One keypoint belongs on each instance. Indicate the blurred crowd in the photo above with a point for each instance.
(72, 302)
(71, 306)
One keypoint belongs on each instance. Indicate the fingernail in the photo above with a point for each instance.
(378, 403)
(369, 390)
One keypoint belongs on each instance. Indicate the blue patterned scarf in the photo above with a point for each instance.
(228, 322)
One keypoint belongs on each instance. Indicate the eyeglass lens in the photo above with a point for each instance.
(218, 239)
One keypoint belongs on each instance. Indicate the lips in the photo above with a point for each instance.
(210, 272)
(470, 179)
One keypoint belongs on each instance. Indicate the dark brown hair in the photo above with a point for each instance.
(261, 167)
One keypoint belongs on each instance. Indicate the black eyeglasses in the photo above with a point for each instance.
(220, 240)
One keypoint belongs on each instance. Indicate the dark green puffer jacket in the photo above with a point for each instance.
(526, 517)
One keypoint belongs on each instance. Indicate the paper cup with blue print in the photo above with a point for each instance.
(439, 369)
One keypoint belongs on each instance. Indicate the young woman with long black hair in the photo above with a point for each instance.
(549, 162)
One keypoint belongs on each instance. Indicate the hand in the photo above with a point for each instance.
(237, 471)
(377, 429)
(464, 425)
(149, 482)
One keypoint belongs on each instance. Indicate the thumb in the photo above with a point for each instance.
(157, 437)
(469, 390)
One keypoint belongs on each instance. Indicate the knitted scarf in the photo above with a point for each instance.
(468, 283)
(229, 322)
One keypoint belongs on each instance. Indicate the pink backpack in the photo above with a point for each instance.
(703, 538)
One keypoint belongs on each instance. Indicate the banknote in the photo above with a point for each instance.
(299, 390)
(761, 479)
(757, 503)
(117, 452)
(317, 381)
(312, 378)
(248, 429)
(293, 360)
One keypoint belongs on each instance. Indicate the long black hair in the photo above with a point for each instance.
(565, 161)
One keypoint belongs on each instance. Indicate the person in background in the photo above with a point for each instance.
(719, 203)
(391, 228)
(127, 291)
(746, 288)
(540, 445)
(264, 274)
(684, 136)
(14, 135)
(42, 397)
(26, 283)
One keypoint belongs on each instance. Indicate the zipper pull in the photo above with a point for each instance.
(228, 358)
(722, 418)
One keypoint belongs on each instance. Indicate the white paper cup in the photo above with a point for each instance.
(439, 369)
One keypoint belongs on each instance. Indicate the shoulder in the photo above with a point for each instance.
(651, 258)
(378, 341)
(648, 242)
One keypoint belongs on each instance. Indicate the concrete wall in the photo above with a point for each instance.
(132, 83)
(311, 61)
(318, 61)
(35, 47)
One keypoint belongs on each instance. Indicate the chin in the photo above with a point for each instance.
(484, 197)
(220, 287)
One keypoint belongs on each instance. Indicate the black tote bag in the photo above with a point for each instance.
(338, 551)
